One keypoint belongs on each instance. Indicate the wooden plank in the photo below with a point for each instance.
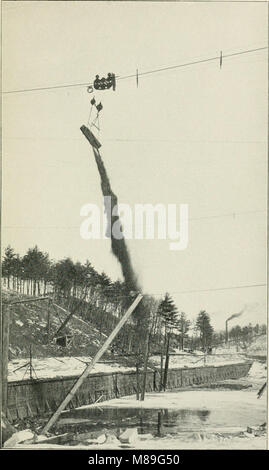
(88, 369)
(49, 320)
(28, 300)
(59, 439)
(70, 315)
(47, 405)
(30, 412)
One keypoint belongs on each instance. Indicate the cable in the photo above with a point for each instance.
(194, 291)
(192, 63)
(231, 214)
(187, 64)
(146, 140)
(216, 289)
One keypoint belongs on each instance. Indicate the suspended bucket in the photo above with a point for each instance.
(90, 137)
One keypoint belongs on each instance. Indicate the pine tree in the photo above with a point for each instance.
(206, 330)
(183, 326)
(8, 264)
(168, 311)
(35, 267)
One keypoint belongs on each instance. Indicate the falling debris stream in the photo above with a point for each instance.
(118, 246)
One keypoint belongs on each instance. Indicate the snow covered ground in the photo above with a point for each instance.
(197, 400)
(258, 347)
(181, 443)
(58, 367)
(63, 366)
(198, 359)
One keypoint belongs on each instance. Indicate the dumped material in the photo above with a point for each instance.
(130, 436)
(18, 437)
(7, 430)
(257, 430)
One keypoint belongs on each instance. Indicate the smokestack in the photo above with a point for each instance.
(235, 315)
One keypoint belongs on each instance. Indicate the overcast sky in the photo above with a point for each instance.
(194, 135)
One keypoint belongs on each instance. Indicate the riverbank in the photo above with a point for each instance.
(190, 419)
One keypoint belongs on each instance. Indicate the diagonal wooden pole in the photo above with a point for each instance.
(27, 300)
(70, 315)
(88, 369)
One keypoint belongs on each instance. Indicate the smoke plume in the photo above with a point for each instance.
(235, 315)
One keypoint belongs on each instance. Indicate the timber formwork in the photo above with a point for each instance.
(28, 398)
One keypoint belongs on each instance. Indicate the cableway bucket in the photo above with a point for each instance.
(90, 137)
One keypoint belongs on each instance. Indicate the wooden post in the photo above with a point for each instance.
(30, 363)
(159, 425)
(141, 419)
(88, 369)
(161, 372)
(137, 379)
(5, 347)
(154, 380)
(145, 367)
(48, 322)
(166, 363)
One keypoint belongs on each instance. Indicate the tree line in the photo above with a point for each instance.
(79, 288)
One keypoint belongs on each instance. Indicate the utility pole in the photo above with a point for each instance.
(145, 367)
(5, 348)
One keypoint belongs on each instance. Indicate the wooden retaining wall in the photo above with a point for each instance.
(27, 398)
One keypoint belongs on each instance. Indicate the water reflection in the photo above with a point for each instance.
(155, 421)
(203, 415)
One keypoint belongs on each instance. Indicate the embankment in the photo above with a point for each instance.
(27, 398)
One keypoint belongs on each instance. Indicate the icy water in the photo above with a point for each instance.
(187, 411)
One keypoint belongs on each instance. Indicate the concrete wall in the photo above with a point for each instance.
(28, 398)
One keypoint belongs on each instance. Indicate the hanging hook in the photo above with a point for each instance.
(99, 107)
(90, 89)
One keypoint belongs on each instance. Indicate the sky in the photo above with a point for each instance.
(195, 135)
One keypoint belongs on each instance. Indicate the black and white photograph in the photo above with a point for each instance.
(134, 227)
